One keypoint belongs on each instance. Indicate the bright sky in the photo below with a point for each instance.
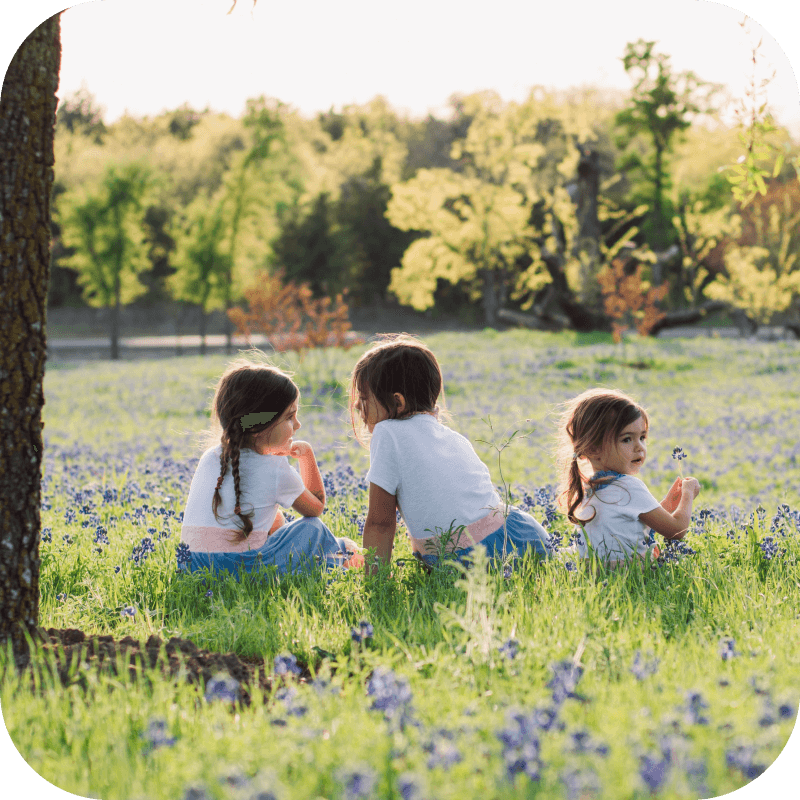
(146, 56)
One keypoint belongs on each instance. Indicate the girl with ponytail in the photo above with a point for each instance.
(602, 446)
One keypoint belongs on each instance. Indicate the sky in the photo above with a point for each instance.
(147, 56)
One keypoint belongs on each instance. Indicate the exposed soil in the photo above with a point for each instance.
(74, 654)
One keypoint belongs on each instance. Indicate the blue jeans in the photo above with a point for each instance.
(521, 533)
(300, 545)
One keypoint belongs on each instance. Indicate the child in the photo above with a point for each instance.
(604, 433)
(423, 468)
(232, 520)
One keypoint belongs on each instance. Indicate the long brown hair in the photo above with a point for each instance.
(589, 422)
(249, 399)
(397, 363)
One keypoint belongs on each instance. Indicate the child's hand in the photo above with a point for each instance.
(690, 485)
(673, 498)
(297, 450)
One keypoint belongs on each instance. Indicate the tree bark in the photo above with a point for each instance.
(202, 329)
(490, 303)
(27, 127)
(687, 316)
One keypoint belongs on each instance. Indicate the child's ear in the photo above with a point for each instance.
(400, 402)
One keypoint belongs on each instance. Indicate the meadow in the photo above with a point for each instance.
(532, 680)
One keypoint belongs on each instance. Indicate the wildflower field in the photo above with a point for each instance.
(529, 680)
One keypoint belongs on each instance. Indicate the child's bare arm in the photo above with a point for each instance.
(674, 525)
(380, 526)
(312, 501)
(280, 520)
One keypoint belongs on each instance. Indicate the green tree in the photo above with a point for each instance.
(663, 104)
(202, 259)
(249, 186)
(104, 226)
(503, 225)
(763, 279)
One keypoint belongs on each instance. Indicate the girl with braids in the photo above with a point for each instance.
(424, 469)
(602, 447)
(232, 520)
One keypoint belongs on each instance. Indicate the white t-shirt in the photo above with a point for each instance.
(433, 471)
(265, 482)
(616, 532)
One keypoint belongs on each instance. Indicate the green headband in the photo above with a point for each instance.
(258, 418)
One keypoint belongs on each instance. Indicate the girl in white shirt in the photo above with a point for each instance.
(422, 468)
(602, 447)
(232, 518)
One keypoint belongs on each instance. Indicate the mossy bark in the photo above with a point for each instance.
(27, 123)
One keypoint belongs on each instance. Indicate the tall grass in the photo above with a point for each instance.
(542, 680)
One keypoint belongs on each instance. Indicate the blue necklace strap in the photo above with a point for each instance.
(600, 475)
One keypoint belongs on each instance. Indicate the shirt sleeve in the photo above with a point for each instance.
(384, 466)
(642, 500)
(289, 484)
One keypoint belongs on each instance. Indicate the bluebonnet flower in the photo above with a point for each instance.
(287, 696)
(363, 632)
(196, 793)
(182, 554)
(222, 687)
(409, 786)
(67, 539)
(582, 742)
(580, 783)
(678, 454)
(100, 535)
(443, 753)
(727, 649)
(390, 694)
(565, 678)
(509, 649)
(47, 535)
(521, 745)
(157, 736)
(209, 593)
(742, 757)
(128, 611)
(769, 548)
(569, 566)
(641, 669)
(286, 664)
(357, 782)
(142, 550)
(654, 771)
(694, 706)
(62, 598)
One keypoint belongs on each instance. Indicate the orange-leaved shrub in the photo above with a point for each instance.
(291, 317)
(629, 301)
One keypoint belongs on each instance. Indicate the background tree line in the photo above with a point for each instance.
(502, 211)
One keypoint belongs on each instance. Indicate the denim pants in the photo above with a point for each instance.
(300, 545)
(521, 533)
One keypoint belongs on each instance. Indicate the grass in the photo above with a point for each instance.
(540, 682)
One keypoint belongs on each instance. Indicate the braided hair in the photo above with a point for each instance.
(249, 399)
(591, 420)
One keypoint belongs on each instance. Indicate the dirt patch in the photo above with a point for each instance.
(71, 654)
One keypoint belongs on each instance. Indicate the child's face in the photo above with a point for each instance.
(627, 453)
(279, 437)
(371, 411)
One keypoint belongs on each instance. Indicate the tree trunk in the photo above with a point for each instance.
(115, 323)
(687, 316)
(490, 304)
(27, 124)
(202, 329)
